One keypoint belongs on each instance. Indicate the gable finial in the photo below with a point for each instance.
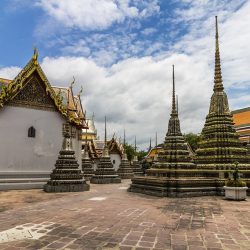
(218, 86)
(73, 82)
(35, 54)
(80, 92)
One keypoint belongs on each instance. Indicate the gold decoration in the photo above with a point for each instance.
(13, 88)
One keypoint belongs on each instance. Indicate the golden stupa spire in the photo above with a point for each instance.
(218, 86)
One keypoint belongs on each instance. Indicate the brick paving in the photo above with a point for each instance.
(109, 217)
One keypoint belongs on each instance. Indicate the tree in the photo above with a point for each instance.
(130, 151)
(141, 154)
(192, 139)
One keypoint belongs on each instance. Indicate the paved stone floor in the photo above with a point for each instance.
(108, 217)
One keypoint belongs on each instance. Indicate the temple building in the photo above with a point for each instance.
(241, 118)
(116, 150)
(32, 114)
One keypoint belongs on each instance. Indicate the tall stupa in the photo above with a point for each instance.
(220, 146)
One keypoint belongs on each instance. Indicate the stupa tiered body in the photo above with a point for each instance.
(87, 165)
(136, 166)
(220, 146)
(66, 177)
(172, 173)
(125, 170)
(105, 172)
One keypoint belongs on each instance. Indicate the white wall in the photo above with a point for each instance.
(117, 159)
(20, 153)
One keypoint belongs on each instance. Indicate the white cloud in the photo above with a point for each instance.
(9, 72)
(135, 94)
(96, 14)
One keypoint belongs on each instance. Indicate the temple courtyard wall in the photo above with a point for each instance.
(26, 162)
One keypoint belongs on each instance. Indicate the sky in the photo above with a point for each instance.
(122, 52)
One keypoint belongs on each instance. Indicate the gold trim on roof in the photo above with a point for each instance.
(9, 91)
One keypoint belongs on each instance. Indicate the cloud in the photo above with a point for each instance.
(96, 14)
(9, 72)
(135, 93)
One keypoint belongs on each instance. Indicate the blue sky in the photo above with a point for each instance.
(121, 51)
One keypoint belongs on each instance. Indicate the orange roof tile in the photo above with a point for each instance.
(241, 116)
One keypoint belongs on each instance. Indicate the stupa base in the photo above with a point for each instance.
(66, 188)
(165, 187)
(105, 180)
(126, 175)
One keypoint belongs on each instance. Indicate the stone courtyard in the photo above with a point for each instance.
(109, 217)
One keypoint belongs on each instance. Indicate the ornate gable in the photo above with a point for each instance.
(31, 88)
(33, 95)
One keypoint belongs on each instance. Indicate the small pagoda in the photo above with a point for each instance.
(66, 177)
(125, 170)
(136, 166)
(87, 165)
(105, 172)
(220, 146)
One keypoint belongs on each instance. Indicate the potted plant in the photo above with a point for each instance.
(235, 189)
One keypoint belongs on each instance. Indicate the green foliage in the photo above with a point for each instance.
(192, 139)
(130, 151)
(141, 154)
(237, 183)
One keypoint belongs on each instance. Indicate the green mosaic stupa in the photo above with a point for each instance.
(220, 146)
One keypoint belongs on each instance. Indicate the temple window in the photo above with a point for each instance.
(113, 161)
(32, 132)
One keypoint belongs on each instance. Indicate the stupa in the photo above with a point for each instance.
(172, 162)
(87, 165)
(136, 166)
(66, 177)
(125, 170)
(105, 172)
(220, 146)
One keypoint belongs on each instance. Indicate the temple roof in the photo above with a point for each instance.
(96, 147)
(241, 116)
(62, 97)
